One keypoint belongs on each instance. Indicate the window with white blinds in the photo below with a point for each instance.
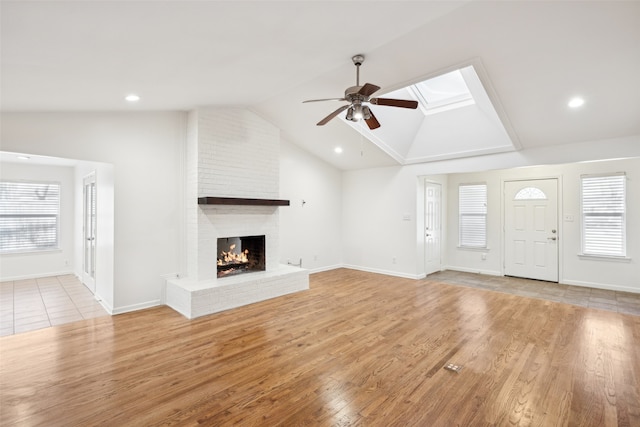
(29, 213)
(603, 215)
(472, 203)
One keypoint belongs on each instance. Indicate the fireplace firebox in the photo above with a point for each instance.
(238, 255)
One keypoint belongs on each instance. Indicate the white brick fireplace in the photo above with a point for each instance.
(231, 153)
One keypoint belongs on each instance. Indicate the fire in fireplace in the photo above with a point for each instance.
(237, 255)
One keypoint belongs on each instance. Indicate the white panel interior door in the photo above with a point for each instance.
(89, 232)
(531, 229)
(433, 227)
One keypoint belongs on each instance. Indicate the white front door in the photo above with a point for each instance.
(432, 232)
(531, 229)
(89, 232)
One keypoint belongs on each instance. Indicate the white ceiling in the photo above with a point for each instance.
(269, 56)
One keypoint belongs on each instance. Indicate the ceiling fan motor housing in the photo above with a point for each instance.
(351, 94)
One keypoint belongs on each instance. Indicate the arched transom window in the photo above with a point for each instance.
(530, 193)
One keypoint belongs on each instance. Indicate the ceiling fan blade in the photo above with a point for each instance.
(325, 99)
(404, 103)
(368, 89)
(372, 122)
(332, 115)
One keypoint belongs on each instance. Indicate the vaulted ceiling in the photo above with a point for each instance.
(269, 56)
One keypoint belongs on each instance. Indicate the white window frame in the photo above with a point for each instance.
(18, 210)
(587, 245)
(471, 210)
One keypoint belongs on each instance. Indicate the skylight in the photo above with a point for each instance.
(446, 90)
(455, 119)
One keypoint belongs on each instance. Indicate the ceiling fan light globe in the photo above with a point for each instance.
(358, 112)
(366, 113)
(350, 114)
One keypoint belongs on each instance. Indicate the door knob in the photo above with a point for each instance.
(552, 238)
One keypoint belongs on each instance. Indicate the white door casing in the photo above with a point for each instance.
(531, 229)
(89, 232)
(433, 227)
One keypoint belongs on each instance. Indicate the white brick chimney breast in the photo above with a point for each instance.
(230, 153)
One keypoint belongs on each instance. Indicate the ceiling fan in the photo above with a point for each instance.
(358, 96)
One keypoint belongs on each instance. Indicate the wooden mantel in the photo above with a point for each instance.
(241, 201)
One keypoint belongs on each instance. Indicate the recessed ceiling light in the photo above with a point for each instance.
(338, 150)
(576, 102)
(132, 98)
(24, 157)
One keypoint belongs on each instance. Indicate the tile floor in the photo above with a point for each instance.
(26, 305)
(621, 302)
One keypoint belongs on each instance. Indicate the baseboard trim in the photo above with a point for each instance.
(473, 270)
(135, 307)
(326, 268)
(36, 276)
(606, 286)
(385, 272)
(104, 304)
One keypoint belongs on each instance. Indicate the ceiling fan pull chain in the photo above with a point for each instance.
(361, 139)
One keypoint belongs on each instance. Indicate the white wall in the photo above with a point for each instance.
(375, 200)
(47, 263)
(376, 235)
(146, 151)
(313, 231)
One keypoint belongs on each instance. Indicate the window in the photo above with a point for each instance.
(442, 90)
(530, 193)
(603, 215)
(472, 200)
(29, 214)
(441, 93)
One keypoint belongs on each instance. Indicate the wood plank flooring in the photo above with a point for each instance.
(356, 349)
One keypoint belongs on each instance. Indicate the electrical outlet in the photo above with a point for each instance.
(483, 256)
(393, 260)
(315, 257)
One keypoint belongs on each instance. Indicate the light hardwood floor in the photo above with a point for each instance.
(356, 349)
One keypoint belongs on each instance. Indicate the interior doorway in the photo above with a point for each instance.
(89, 232)
(432, 227)
(531, 229)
